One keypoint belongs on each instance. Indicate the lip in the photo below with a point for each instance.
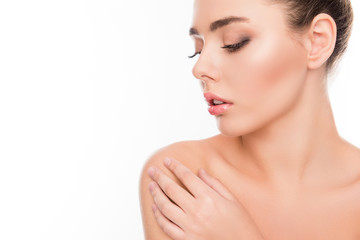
(219, 109)
(209, 96)
(216, 109)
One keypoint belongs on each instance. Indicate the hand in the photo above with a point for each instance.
(209, 211)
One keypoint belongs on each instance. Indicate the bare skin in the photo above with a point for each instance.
(279, 152)
(329, 210)
(325, 207)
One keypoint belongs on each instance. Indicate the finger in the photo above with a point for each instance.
(216, 185)
(171, 229)
(175, 192)
(195, 185)
(167, 208)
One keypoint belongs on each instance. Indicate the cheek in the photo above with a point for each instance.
(268, 74)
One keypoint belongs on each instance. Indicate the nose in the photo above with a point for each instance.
(206, 69)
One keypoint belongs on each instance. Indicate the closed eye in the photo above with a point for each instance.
(231, 48)
(234, 47)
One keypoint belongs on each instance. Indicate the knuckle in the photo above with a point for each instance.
(207, 201)
(205, 209)
(156, 174)
(157, 197)
(166, 208)
(168, 189)
(166, 229)
(184, 175)
(154, 192)
(156, 200)
(204, 214)
(161, 205)
(157, 215)
(175, 167)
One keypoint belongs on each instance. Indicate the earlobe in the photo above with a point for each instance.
(322, 36)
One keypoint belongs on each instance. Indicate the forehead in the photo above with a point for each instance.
(260, 12)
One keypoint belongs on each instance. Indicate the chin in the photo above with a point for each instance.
(235, 128)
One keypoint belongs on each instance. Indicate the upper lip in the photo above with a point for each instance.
(209, 96)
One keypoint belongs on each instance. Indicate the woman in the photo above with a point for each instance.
(279, 169)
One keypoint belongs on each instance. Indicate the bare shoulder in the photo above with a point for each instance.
(352, 155)
(189, 154)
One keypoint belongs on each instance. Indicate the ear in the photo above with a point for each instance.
(321, 39)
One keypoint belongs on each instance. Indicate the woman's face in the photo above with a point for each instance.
(264, 78)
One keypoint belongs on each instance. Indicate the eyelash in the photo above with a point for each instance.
(231, 48)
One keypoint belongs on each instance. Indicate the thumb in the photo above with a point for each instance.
(216, 185)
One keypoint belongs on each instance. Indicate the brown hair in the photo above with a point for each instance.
(300, 14)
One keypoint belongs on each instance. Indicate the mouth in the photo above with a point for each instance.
(214, 100)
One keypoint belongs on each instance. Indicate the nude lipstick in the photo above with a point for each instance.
(217, 105)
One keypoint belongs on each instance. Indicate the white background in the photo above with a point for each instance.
(88, 90)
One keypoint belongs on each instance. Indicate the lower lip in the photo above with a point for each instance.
(219, 109)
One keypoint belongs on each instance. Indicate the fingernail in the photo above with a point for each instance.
(151, 171)
(167, 161)
(153, 207)
(151, 186)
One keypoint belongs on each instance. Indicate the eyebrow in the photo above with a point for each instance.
(220, 23)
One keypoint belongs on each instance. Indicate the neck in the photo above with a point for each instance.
(300, 145)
